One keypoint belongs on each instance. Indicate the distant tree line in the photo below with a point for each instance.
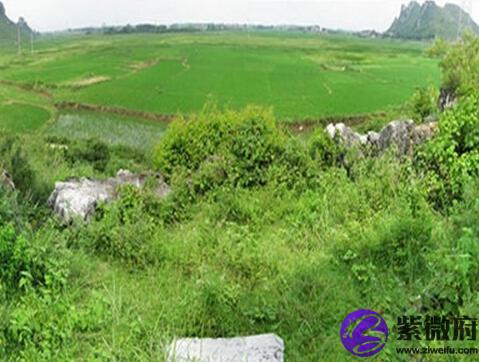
(198, 27)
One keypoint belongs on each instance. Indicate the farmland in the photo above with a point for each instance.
(300, 76)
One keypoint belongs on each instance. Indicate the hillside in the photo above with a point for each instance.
(8, 28)
(430, 21)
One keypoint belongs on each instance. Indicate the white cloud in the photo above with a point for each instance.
(46, 15)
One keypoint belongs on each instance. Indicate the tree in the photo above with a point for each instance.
(459, 63)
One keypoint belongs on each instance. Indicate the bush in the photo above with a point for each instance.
(453, 264)
(123, 230)
(243, 144)
(424, 103)
(325, 150)
(13, 159)
(27, 261)
(92, 151)
(452, 156)
(459, 63)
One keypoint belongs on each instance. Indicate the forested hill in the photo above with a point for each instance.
(430, 21)
(8, 28)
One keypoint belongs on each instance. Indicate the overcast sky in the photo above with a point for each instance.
(46, 15)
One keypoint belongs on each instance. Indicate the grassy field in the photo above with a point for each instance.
(23, 111)
(300, 76)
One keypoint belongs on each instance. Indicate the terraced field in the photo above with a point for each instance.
(300, 76)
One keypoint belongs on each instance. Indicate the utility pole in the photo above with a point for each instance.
(19, 39)
(31, 43)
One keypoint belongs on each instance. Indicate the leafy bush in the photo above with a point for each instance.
(91, 151)
(294, 168)
(123, 230)
(452, 265)
(325, 150)
(13, 159)
(459, 63)
(453, 155)
(28, 261)
(40, 315)
(246, 144)
(424, 103)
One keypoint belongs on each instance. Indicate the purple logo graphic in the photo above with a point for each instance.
(364, 333)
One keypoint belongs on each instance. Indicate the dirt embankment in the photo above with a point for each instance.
(28, 87)
(114, 110)
(299, 126)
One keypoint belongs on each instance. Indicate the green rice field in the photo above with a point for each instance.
(111, 129)
(301, 76)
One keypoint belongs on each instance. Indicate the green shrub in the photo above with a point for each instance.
(452, 156)
(325, 150)
(13, 159)
(32, 261)
(453, 264)
(92, 151)
(424, 103)
(294, 168)
(242, 145)
(459, 63)
(123, 230)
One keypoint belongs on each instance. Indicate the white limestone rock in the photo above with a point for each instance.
(261, 348)
(78, 199)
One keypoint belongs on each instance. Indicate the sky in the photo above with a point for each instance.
(49, 15)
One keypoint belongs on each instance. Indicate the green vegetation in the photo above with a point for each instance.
(21, 111)
(270, 251)
(452, 158)
(459, 63)
(22, 117)
(424, 103)
(262, 232)
(302, 76)
(111, 129)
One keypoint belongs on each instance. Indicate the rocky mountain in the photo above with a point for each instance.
(8, 28)
(429, 20)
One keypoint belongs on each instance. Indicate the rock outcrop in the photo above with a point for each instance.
(6, 180)
(79, 198)
(429, 21)
(403, 135)
(262, 348)
(447, 99)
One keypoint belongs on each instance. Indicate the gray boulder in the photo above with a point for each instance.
(78, 199)
(397, 133)
(347, 136)
(261, 348)
(402, 134)
(6, 180)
